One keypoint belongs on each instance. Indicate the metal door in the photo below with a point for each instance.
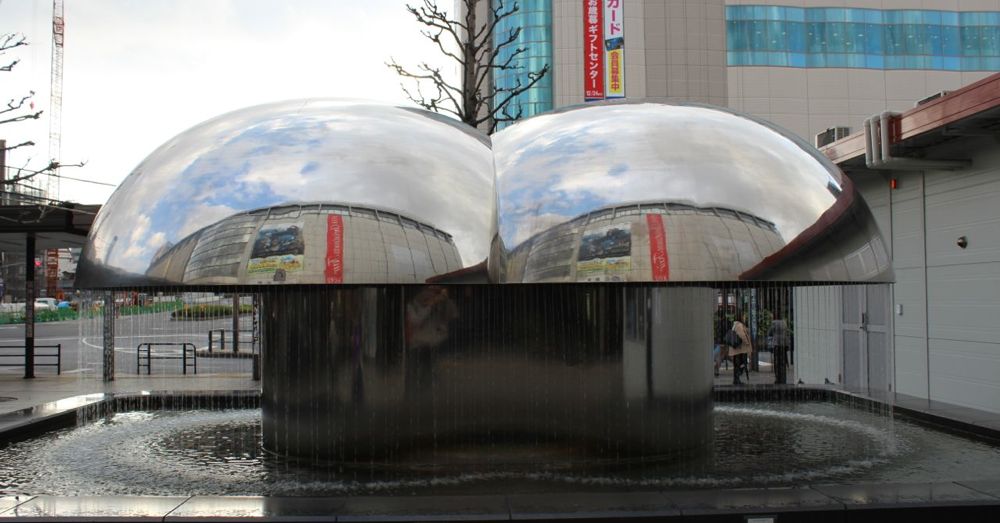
(853, 342)
(876, 334)
(865, 337)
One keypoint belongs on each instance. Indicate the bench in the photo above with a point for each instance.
(144, 351)
(57, 355)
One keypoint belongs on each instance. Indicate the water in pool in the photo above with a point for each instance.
(219, 453)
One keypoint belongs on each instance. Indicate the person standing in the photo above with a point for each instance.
(777, 336)
(721, 351)
(740, 351)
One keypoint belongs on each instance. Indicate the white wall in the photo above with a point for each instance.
(818, 354)
(909, 291)
(946, 300)
(808, 101)
(963, 285)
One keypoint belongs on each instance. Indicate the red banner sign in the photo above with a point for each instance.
(334, 248)
(593, 50)
(658, 247)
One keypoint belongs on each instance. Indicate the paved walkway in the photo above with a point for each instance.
(46, 388)
(17, 393)
(763, 376)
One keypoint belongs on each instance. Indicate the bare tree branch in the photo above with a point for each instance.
(21, 118)
(23, 173)
(28, 143)
(510, 94)
(19, 110)
(478, 53)
(10, 41)
(13, 105)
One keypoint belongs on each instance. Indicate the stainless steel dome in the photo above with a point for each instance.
(647, 191)
(333, 192)
(309, 191)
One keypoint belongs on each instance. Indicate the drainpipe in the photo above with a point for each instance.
(878, 154)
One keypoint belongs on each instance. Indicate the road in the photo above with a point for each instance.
(81, 342)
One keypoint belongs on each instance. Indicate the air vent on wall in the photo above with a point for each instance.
(831, 135)
(931, 98)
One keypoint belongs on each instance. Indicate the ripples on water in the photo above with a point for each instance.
(219, 453)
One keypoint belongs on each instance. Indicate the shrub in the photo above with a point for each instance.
(207, 312)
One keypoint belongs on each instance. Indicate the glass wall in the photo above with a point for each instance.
(862, 38)
(534, 18)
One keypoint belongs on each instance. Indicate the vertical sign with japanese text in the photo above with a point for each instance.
(51, 272)
(658, 247)
(614, 48)
(593, 50)
(334, 249)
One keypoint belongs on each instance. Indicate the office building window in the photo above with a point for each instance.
(862, 38)
(535, 20)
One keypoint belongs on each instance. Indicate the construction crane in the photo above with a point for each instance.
(55, 97)
(55, 135)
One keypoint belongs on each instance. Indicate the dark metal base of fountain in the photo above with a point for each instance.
(408, 374)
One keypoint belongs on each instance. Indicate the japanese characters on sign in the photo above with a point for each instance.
(593, 50)
(603, 49)
(614, 45)
(658, 258)
(334, 249)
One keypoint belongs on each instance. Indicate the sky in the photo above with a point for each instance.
(136, 73)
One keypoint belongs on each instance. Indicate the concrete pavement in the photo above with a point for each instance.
(32, 392)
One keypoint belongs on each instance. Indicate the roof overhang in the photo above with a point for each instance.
(53, 227)
(973, 110)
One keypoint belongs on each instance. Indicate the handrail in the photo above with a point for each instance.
(57, 356)
(253, 339)
(150, 357)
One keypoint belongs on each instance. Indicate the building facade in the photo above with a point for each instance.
(813, 65)
(935, 201)
(806, 65)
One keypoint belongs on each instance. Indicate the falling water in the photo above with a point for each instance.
(459, 387)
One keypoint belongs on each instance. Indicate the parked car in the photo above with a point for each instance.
(46, 304)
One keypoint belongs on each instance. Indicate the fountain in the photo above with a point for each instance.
(376, 238)
(515, 318)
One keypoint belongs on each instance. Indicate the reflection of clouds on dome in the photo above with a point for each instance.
(595, 156)
(729, 190)
(365, 153)
(732, 191)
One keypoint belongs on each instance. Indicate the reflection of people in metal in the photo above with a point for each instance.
(428, 314)
(427, 317)
(740, 351)
(777, 337)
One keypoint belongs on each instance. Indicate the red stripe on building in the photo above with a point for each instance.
(334, 248)
(658, 247)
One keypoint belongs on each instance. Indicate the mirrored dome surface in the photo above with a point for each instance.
(647, 191)
(308, 191)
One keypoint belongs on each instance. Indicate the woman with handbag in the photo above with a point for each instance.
(740, 348)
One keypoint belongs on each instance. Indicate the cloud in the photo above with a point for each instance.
(137, 73)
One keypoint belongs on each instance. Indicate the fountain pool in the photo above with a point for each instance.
(219, 452)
